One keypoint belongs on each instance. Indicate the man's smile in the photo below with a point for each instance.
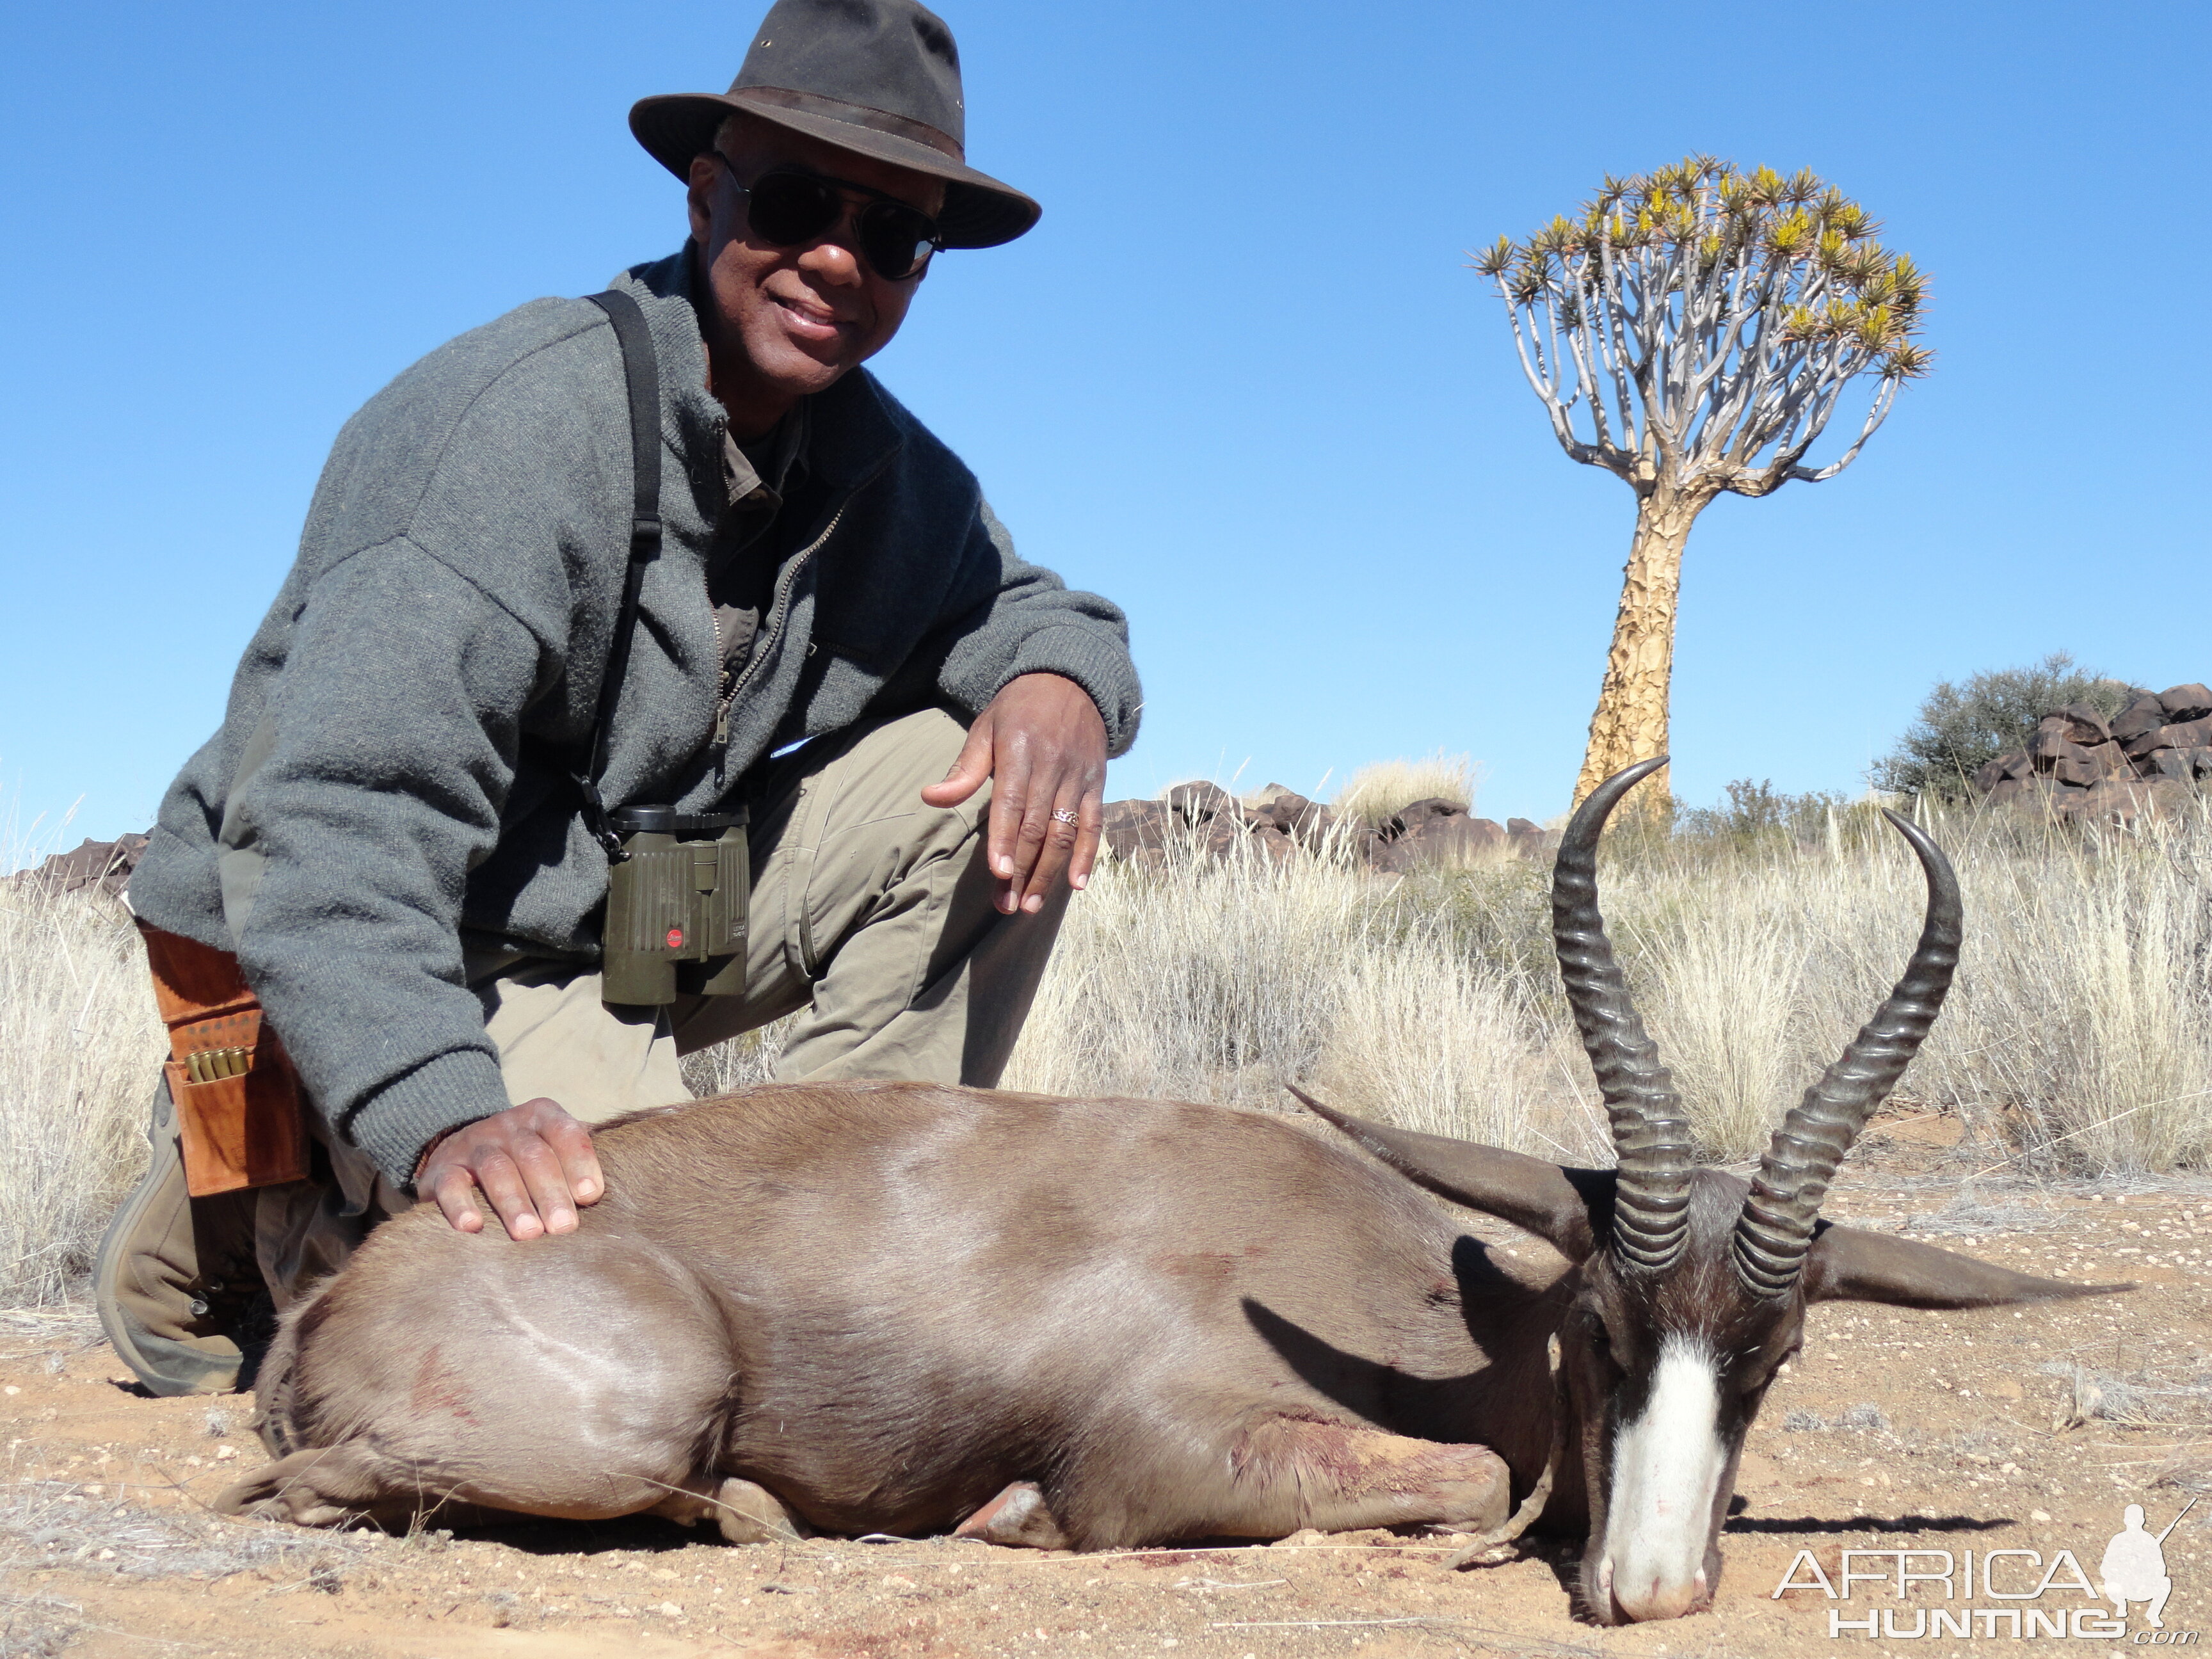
(809, 319)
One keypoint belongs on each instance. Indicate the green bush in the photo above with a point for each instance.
(1759, 811)
(1962, 727)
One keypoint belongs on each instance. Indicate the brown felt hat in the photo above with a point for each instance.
(879, 77)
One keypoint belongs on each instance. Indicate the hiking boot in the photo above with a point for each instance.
(175, 1282)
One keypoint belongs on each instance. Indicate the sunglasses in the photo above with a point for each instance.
(790, 210)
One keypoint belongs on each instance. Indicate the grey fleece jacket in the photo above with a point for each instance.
(393, 767)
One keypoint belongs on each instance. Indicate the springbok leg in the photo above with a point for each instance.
(746, 1512)
(1267, 1475)
(1289, 1472)
(1016, 1515)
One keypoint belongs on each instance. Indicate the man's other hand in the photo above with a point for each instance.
(1042, 745)
(533, 1162)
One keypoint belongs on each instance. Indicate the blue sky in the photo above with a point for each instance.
(1238, 378)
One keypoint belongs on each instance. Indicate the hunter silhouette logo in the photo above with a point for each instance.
(2134, 1567)
(2132, 1571)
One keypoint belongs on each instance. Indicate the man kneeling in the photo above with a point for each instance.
(832, 679)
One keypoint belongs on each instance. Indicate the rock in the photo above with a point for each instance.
(2083, 724)
(2145, 714)
(1217, 838)
(1296, 816)
(2017, 764)
(2187, 734)
(2185, 702)
(2145, 743)
(2117, 800)
(1450, 839)
(1130, 826)
(1201, 803)
(2039, 792)
(2064, 759)
(105, 865)
(2200, 761)
(2076, 769)
(1316, 828)
(1409, 820)
(1457, 839)
(2112, 760)
(1530, 841)
(2170, 764)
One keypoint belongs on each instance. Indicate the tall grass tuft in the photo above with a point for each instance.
(1378, 791)
(80, 1047)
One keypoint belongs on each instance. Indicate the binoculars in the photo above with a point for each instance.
(678, 895)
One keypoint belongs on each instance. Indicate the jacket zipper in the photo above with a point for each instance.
(771, 627)
(721, 672)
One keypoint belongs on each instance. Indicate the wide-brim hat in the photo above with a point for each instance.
(879, 77)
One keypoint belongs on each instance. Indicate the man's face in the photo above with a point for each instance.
(783, 323)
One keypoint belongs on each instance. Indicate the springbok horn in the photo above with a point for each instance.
(1651, 1194)
(1776, 1228)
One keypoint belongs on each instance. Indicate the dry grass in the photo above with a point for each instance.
(1224, 980)
(2078, 1038)
(739, 1063)
(2078, 1035)
(2077, 1041)
(1376, 791)
(82, 1045)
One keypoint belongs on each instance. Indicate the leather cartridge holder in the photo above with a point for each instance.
(239, 1108)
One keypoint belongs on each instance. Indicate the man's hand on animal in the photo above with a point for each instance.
(1043, 746)
(533, 1163)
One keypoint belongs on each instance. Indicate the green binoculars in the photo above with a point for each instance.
(678, 895)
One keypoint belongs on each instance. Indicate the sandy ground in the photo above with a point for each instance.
(1895, 1430)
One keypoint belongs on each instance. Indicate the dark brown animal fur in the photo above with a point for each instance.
(885, 1303)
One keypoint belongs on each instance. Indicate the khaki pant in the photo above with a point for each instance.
(871, 919)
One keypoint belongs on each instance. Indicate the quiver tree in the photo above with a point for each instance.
(1694, 331)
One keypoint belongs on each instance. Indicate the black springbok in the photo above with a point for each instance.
(1100, 1323)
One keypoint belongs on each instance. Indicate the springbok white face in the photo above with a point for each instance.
(1668, 1465)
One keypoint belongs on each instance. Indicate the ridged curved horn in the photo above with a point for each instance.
(1651, 1194)
(1776, 1228)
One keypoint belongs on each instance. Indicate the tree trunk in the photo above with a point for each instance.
(1630, 721)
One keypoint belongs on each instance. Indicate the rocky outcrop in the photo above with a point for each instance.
(105, 865)
(2153, 757)
(1279, 823)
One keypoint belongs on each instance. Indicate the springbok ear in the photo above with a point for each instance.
(1566, 1208)
(1849, 1264)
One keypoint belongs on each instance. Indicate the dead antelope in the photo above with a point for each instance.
(1101, 1323)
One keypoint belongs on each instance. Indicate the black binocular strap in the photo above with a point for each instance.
(641, 378)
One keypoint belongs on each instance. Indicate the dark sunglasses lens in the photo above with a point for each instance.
(894, 238)
(786, 208)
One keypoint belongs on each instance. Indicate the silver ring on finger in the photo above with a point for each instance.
(1061, 815)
